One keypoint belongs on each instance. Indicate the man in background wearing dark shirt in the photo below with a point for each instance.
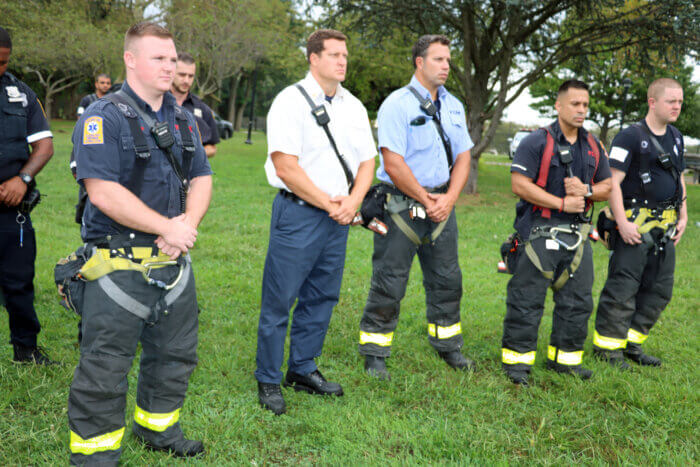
(184, 77)
(103, 83)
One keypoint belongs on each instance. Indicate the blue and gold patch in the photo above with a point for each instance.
(92, 131)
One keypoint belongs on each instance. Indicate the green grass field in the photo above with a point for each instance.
(427, 413)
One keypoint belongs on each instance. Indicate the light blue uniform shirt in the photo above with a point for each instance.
(420, 145)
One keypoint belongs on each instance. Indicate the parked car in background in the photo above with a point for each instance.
(515, 141)
(224, 126)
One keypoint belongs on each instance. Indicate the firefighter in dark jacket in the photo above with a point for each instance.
(557, 172)
(149, 185)
(648, 201)
(22, 124)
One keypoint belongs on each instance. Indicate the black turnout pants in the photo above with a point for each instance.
(638, 288)
(442, 279)
(97, 399)
(573, 304)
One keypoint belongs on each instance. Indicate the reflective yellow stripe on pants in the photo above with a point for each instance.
(636, 337)
(156, 421)
(564, 358)
(444, 332)
(382, 340)
(608, 343)
(511, 357)
(107, 442)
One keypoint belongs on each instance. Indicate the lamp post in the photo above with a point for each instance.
(252, 107)
(626, 83)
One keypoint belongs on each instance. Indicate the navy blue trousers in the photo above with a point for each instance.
(305, 260)
(17, 277)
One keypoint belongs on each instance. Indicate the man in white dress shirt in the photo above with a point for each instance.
(320, 190)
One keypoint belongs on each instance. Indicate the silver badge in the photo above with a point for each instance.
(645, 144)
(12, 91)
(198, 113)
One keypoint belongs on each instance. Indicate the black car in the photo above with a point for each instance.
(224, 126)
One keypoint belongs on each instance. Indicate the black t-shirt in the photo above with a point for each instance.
(205, 119)
(633, 143)
(527, 161)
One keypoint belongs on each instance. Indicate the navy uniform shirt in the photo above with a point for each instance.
(85, 103)
(22, 121)
(633, 143)
(528, 158)
(104, 149)
(205, 118)
(407, 131)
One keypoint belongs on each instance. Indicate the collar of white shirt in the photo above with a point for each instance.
(316, 92)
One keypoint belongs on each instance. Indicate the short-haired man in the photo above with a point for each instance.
(424, 165)
(149, 185)
(23, 125)
(103, 83)
(182, 84)
(310, 216)
(557, 172)
(648, 201)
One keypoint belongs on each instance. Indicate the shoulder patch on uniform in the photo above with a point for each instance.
(198, 112)
(618, 153)
(92, 131)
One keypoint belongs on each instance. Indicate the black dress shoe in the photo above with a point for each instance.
(270, 397)
(179, 448)
(313, 383)
(576, 370)
(635, 353)
(376, 367)
(456, 360)
(613, 357)
(36, 355)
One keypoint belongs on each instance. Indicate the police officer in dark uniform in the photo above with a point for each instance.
(649, 206)
(22, 124)
(555, 251)
(149, 185)
(184, 77)
(103, 83)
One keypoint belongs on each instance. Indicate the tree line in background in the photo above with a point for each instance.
(500, 49)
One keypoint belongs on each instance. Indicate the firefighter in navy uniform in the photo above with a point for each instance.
(184, 78)
(149, 185)
(557, 172)
(648, 202)
(22, 124)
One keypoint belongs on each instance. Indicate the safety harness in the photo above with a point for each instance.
(580, 231)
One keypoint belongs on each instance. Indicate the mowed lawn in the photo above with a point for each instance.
(427, 413)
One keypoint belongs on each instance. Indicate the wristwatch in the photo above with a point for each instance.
(589, 191)
(26, 178)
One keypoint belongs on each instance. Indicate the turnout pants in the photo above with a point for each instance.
(304, 263)
(573, 304)
(442, 279)
(97, 399)
(638, 288)
(17, 277)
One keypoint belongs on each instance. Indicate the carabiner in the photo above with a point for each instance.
(149, 267)
(554, 231)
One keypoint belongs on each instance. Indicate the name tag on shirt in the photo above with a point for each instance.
(198, 113)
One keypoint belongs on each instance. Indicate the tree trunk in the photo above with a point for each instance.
(233, 95)
(48, 101)
(241, 109)
(604, 129)
(475, 131)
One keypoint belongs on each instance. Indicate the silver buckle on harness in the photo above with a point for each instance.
(554, 231)
(149, 267)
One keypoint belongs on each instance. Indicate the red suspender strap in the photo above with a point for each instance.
(596, 155)
(544, 170)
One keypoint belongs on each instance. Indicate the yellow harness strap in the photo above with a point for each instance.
(667, 219)
(102, 263)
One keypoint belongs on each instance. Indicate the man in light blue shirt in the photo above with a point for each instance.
(424, 143)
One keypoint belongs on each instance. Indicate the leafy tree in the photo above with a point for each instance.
(501, 47)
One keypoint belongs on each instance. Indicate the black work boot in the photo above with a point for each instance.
(36, 355)
(456, 360)
(175, 445)
(613, 357)
(376, 367)
(313, 383)
(576, 370)
(635, 353)
(518, 373)
(270, 397)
